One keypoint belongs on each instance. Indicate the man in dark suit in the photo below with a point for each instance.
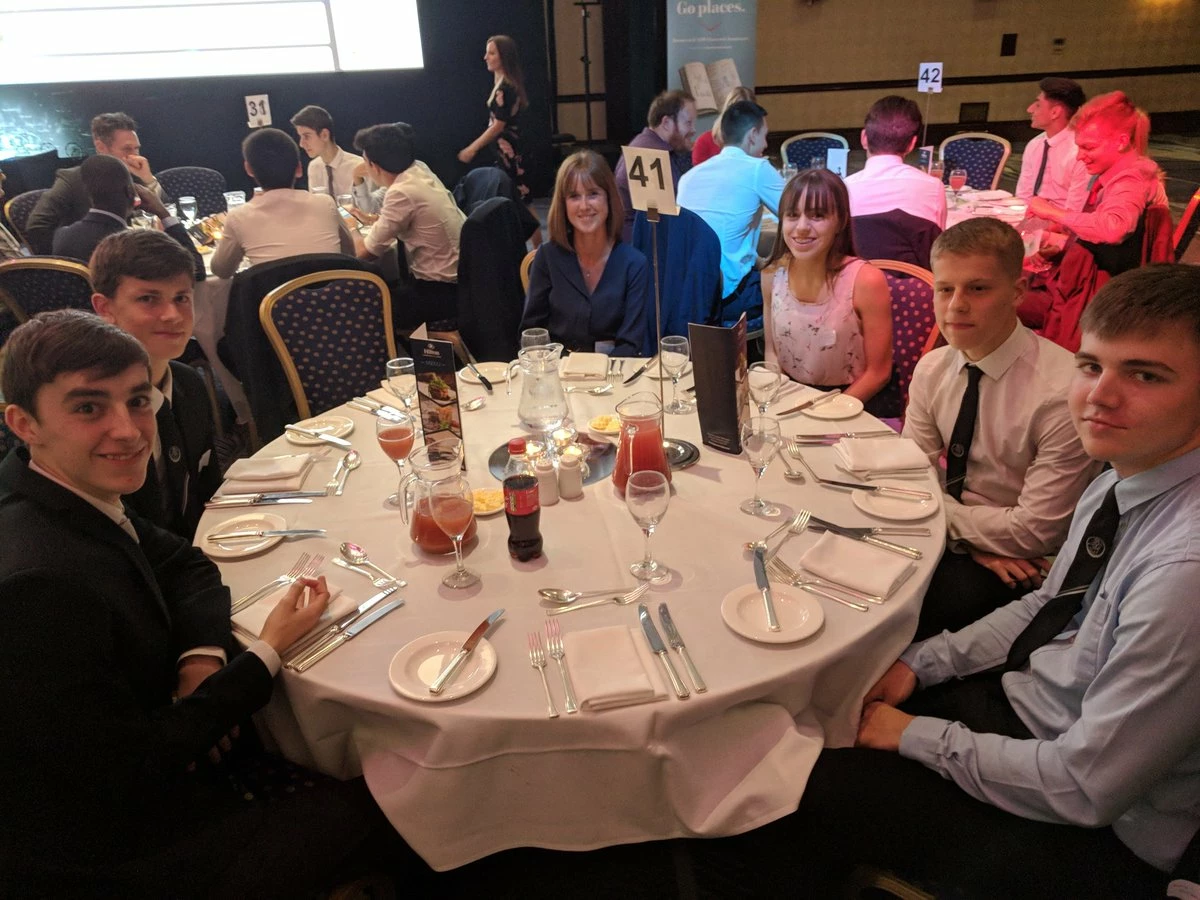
(105, 618)
(113, 134)
(143, 284)
(113, 196)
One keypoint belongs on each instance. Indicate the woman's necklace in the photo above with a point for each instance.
(596, 266)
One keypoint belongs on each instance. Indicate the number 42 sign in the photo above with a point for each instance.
(929, 78)
(650, 183)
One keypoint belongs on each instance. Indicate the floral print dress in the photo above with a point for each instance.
(503, 106)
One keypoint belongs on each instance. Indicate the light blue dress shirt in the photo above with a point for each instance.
(1113, 701)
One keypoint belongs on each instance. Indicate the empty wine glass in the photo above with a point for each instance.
(764, 379)
(760, 440)
(534, 337)
(647, 495)
(402, 380)
(395, 435)
(187, 208)
(673, 357)
(453, 511)
(958, 181)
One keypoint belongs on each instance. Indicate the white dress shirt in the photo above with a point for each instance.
(1026, 468)
(729, 192)
(279, 223)
(886, 182)
(1065, 181)
(343, 165)
(418, 211)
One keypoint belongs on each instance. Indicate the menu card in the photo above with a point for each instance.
(437, 389)
(722, 393)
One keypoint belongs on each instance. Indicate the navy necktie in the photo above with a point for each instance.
(962, 435)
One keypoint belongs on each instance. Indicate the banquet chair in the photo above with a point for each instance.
(983, 155)
(17, 210)
(1186, 229)
(206, 185)
(332, 333)
(39, 283)
(800, 149)
(526, 265)
(480, 185)
(912, 322)
(895, 234)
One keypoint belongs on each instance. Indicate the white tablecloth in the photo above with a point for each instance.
(490, 771)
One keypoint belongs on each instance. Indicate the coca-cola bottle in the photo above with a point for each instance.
(521, 505)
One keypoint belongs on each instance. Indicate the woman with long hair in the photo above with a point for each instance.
(827, 315)
(709, 144)
(590, 290)
(505, 104)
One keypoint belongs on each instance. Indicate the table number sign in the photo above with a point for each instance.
(258, 111)
(929, 78)
(837, 159)
(650, 183)
(721, 401)
(437, 390)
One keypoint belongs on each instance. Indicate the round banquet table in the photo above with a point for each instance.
(490, 771)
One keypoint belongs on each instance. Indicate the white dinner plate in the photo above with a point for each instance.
(240, 548)
(493, 371)
(334, 426)
(418, 663)
(655, 371)
(895, 509)
(800, 615)
(840, 407)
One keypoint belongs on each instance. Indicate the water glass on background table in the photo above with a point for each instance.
(187, 209)
(647, 495)
(760, 440)
(764, 380)
(395, 435)
(402, 380)
(453, 510)
(673, 357)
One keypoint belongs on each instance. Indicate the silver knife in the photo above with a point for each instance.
(808, 404)
(230, 500)
(350, 631)
(910, 552)
(269, 532)
(900, 493)
(375, 404)
(838, 435)
(487, 385)
(382, 412)
(640, 372)
(293, 653)
(439, 683)
(764, 585)
(660, 650)
(327, 438)
(677, 642)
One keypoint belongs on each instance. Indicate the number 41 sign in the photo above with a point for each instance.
(929, 78)
(650, 183)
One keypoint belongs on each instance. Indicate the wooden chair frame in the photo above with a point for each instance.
(807, 135)
(276, 339)
(20, 232)
(526, 265)
(986, 136)
(37, 263)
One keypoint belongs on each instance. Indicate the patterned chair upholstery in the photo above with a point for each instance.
(912, 323)
(800, 149)
(17, 210)
(39, 283)
(983, 155)
(332, 332)
(206, 185)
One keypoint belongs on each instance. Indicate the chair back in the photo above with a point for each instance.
(896, 235)
(912, 323)
(482, 184)
(799, 149)
(39, 283)
(983, 155)
(1156, 242)
(332, 333)
(206, 185)
(490, 296)
(17, 210)
(526, 265)
(1186, 230)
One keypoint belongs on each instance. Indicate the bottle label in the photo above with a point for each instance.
(522, 502)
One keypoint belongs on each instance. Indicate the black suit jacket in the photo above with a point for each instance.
(78, 240)
(93, 753)
(896, 235)
(193, 419)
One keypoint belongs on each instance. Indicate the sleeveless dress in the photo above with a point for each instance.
(502, 106)
(821, 343)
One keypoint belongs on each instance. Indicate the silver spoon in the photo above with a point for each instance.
(359, 570)
(563, 596)
(594, 391)
(790, 474)
(357, 555)
(350, 461)
(476, 403)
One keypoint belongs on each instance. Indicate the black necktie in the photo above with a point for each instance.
(1095, 547)
(174, 465)
(960, 437)
(1037, 184)
(329, 179)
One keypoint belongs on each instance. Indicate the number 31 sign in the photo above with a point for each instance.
(650, 183)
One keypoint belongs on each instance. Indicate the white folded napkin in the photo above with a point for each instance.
(866, 455)
(254, 616)
(855, 564)
(612, 667)
(987, 195)
(271, 473)
(386, 397)
(583, 366)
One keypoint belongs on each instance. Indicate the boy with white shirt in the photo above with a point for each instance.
(1049, 167)
(331, 169)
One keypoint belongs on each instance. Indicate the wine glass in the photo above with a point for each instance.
(647, 495)
(673, 357)
(958, 181)
(760, 440)
(937, 168)
(453, 511)
(187, 208)
(764, 379)
(395, 434)
(534, 337)
(402, 379)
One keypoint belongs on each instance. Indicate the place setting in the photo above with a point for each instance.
(445, 665)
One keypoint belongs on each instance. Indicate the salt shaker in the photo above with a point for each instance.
(570, 478)
(547, 482)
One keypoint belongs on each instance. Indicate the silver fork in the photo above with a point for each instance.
(620, 599)
(798, 525)
(612, 379)
(799, 579)
(537, 659)
(295, 572)
(555, 642)
(332, 483)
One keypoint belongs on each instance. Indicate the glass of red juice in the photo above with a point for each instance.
(453, 507)
(395, 435)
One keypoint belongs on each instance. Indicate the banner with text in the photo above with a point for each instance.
(711, 48)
